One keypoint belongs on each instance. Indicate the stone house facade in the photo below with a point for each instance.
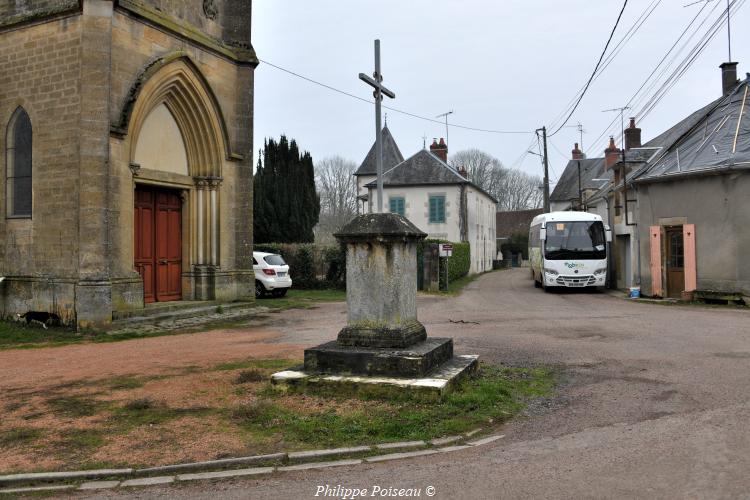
(138, 147)
(434, 196)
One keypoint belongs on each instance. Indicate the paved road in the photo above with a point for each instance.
(654, 401)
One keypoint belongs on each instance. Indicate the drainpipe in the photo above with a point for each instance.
(637, 235)
(612, 284)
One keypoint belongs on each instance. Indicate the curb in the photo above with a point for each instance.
(265, 464)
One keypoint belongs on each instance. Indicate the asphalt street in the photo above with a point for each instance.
(653, 401)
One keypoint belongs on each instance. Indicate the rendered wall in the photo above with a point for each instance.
(718, 206)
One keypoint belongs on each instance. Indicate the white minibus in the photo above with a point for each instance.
(568, 249)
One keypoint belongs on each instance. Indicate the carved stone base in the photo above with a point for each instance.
(415, 361)
(402, 337)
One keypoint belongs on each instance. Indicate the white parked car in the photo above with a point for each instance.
(271, 274)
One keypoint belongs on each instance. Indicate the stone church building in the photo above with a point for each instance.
(126, 155)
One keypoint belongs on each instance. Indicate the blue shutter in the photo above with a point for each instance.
(397, 206)
(437, 209)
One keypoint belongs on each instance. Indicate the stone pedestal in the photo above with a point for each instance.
(383, 341)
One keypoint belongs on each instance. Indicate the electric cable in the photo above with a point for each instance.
(612, 34)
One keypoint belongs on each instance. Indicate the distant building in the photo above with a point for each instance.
(434, 196)
(578, 181)
(508, 224)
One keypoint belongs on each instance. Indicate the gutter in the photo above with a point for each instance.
(703, 172)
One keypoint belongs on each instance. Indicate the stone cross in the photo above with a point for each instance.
(377, 83)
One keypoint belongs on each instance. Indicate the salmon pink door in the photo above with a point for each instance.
(158, 243)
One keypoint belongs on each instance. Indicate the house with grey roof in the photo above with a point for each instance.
(694, 202)
(577, 182)
(435, 197)
(678, 204)
(368, 170)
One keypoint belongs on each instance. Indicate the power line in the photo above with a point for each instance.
(680, 70)
(629, 34)
(633, 101)
(413, 115)
(634, 28)
(612, 34)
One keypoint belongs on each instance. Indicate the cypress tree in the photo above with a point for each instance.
(286, 205)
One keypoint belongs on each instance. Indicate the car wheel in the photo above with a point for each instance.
(280, 292)
(260, 291)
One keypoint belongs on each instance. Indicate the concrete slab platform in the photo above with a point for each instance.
(440, 381)
(256, 471)
(148, 481)
(99, 485)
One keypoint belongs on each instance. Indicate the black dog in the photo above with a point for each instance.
(43, 318)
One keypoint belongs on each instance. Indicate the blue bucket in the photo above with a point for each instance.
(635, 292)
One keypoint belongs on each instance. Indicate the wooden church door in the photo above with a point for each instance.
(158, 243)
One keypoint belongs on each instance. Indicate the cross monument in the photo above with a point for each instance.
(377, 83)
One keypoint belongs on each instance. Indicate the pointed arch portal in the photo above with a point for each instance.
(175, 126)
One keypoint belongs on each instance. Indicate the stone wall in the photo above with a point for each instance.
(40, 71)
(225, 20)
(14, 11)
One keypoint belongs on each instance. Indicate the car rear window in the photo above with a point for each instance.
(274, 260)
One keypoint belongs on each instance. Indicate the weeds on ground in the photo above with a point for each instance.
(491, 397)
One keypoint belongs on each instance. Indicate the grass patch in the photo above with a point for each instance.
(492, 397)
(14, 333)
(455, 287)
(146, 411)
(249, 376)
(18, 436)
(80, 442)
(124, 383)
(75, 406)
(19, 335)
(303, 299)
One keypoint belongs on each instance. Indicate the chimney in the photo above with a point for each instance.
(440, 149)
(632, 136)
(728, 77)
(462, 172)
(611, 154)
(577, 153)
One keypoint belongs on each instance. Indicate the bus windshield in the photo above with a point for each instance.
(575, 240)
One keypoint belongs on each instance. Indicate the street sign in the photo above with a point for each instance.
(446, 250)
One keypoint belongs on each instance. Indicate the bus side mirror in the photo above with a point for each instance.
(543, 234)
(608, 234)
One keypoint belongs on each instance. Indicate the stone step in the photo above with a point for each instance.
(413, 361)
(175, 311)
(437, 383)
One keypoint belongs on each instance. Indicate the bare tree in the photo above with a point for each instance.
(513, 189)
(519, 191)
(338, 195)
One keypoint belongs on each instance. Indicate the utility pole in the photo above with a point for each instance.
(546, 169)
(580, 191)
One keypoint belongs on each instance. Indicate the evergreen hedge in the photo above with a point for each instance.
(458, 265)
(314, 266)
(311, 266)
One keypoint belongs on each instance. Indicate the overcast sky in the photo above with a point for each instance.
(500, 65)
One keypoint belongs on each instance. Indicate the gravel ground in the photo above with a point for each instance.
(653, 401)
